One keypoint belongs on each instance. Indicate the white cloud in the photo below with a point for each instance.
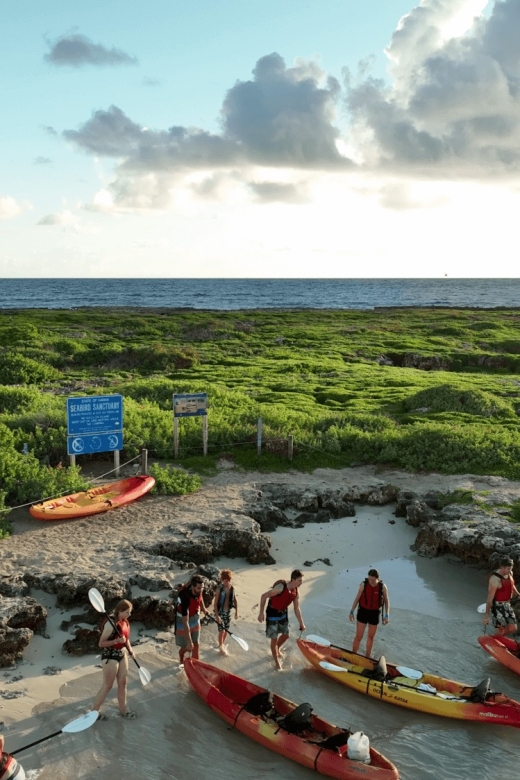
(64, 217)
(9, 207)
(78, 50)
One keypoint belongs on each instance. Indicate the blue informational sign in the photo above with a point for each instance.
(94, 442)
(94, 414)
(190, 404)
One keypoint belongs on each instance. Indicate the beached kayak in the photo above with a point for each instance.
(94, 501)
(411, 688)
(504, 649)
(266, 718)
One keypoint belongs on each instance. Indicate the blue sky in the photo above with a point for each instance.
(238, 138)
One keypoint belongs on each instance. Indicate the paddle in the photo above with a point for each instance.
(79, 724)
(481, 609)
(242, 642)
(413, 674)
(333, 668)
(96, 599)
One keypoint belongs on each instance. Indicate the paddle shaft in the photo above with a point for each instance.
(220, 624)
(118, 632)
(37, 742)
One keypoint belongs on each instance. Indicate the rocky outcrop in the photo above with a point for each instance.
(20, 618)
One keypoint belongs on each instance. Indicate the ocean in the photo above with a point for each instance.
(234, 294)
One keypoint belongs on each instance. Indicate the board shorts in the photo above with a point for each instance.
(502, 614)
(180, 632)
(276, 626)
(370, 616)
(225, 619)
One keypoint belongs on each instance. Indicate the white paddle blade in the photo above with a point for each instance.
(144, 675)
(332, 667)
(96, 599)
(242, 642)
(481, 609)
(413, 674)
(80, 724)
(318, 640)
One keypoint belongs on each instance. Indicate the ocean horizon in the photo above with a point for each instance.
(238, 294)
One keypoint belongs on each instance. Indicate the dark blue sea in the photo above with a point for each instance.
(258, 293)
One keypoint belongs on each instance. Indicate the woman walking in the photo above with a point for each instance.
(114, 659)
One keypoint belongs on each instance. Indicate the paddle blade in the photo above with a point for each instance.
(332, 667)
(242, 642)
(318, 640)
(144, 675)
(481, 609)
(413, 674)
(96, 599)
(80, 724)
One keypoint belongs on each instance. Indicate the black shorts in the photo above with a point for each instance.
(370, 616)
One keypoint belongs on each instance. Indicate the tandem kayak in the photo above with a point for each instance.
(411, 688)
(270, 720)
(94, 501)
(504, 649)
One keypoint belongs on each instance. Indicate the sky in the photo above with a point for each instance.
(248, 138)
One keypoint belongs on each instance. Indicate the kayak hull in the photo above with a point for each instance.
(503, 649)
(226, 695)
(439, 695)
(94, 501)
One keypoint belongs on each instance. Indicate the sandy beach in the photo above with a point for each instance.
(433, 625)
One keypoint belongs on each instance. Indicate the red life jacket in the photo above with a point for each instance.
(7, 762)
(124, 629)
(505, 591)
(281, 601)
(192, 604)
(372, 596)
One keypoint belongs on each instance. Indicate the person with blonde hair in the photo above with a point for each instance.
(116, 647)
(225, 601)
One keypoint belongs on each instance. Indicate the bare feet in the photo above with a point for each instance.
(224, 650)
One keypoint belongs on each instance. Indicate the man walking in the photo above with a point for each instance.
(501, 588)
(278, 598)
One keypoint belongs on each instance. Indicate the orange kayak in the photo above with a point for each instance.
(504, 649)
(94, 501)
(424, 692)
(232, 698)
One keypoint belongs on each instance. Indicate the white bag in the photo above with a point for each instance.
(358, 747)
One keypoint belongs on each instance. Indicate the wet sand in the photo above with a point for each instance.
(434, 626)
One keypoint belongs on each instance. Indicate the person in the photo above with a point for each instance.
(278, 598)
(116, 647)
(225, 601)
(190, 602)
(501, 588)
(372, 595)
(9, 766)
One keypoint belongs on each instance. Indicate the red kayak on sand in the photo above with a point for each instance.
(93, 501)
(504, 649)
(281, 726)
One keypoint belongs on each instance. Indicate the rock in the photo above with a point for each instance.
(85, 641)
(23, 612)
(153, 612)
(14, 585)
(418, 512)
(13, 642)
(72, 590)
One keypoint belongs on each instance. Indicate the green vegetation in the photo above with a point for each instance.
(174, 481)
(515, 512)
(417, 389)
(455, 497)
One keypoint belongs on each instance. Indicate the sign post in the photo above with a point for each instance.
(190, 405)
(95, 424)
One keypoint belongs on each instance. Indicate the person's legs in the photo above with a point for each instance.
(504, 619)
(370, 639)
(109, 675)
(360, 630)
(122, 675)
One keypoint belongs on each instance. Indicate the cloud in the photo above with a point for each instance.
(78, 50)
(454, 105)
(60, 218)
(42, 160)
(277, 192)
(282, 117)
(9, 207)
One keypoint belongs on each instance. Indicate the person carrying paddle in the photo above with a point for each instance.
(225, 601)
(278, 598)
(9, 766)
(501, 588)
(371, 597)
(190, 603)
(116, 646)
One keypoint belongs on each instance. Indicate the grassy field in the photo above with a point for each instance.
(419, 389)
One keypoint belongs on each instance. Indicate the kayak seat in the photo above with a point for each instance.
(259, 704)
(379, 672)
(335, 741)
(297, 721)
(480, 692)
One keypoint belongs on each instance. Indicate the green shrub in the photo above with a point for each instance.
(172, 481)
(449, 398)
(16, 369)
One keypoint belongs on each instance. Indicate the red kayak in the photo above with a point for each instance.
(281, 726)
(504, 649)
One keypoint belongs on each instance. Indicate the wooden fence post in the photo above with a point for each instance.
(259, 437)
(144, 460)
(290, 443)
